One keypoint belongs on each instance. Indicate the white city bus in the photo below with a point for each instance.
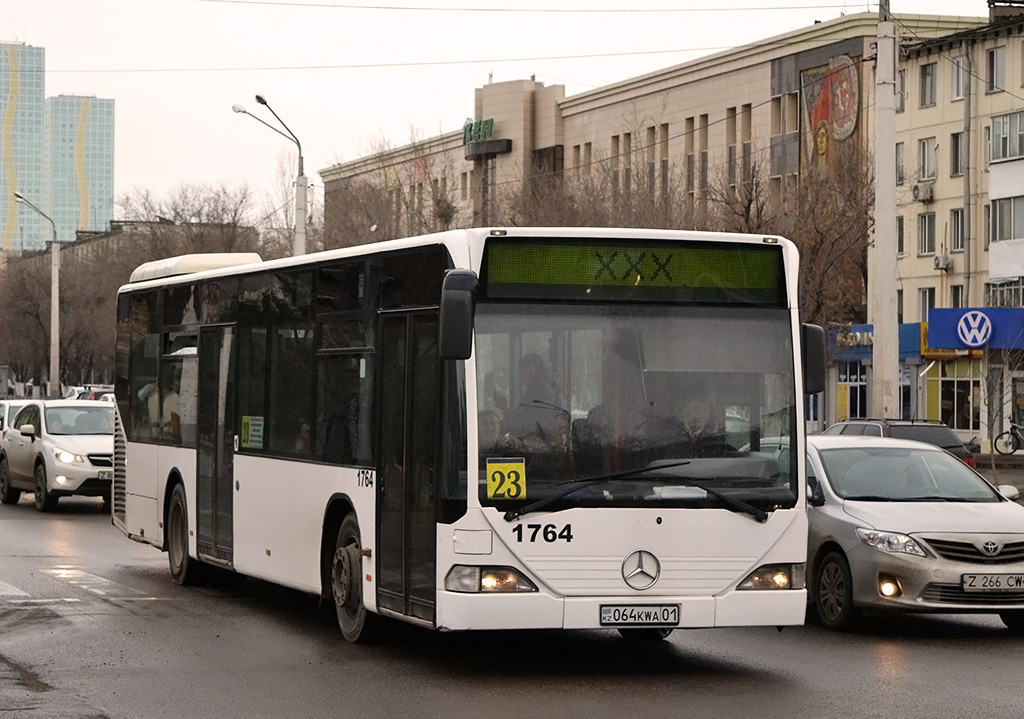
(479, 429)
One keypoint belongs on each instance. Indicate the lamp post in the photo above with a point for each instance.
(54, 299)
(299, 243)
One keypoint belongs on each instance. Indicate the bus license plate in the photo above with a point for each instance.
(992, 582)
(107, 474)
(624, 615)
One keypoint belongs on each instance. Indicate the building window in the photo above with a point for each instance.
(926, 233)
(901, 91)
(928, 84)
(956, 229)
(926, 158)
(956, 154)
(956, 90)
(956, 296)
(1008, 219)
(900, 172)
(959, 395)
(1007, 136)
(925, 302)
(1005, 294)
(899, 307)
(995, 69)
(853, 390)
(900, 248)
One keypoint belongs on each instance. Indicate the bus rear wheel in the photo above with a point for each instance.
(184, 569)
(357, 625)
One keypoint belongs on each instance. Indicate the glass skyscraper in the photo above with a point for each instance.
(57, 152)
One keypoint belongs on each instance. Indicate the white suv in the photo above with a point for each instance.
(56, 448)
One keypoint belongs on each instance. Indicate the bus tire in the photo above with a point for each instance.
(184, 569)
(645, 634)
(357, 625)
(8, 494)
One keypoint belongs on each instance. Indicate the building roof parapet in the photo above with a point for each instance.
(789, 43)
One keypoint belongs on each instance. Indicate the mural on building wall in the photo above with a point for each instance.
(831, 104)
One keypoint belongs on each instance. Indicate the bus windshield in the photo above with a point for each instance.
(683, 397)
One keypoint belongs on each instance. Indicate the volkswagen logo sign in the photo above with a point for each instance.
(640, 569)
(990, 548)
(974, 328)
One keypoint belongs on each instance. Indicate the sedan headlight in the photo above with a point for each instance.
(893, 542)
(62, 455)
(775, 576)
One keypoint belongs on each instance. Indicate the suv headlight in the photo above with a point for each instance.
(62, 455)
(892, 542)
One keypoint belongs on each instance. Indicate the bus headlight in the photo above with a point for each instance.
(62, 455)
(465, 578)
(775, 576)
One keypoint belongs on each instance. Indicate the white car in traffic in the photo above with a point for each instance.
(57, 448)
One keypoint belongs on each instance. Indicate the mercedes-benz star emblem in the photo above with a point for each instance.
(640, 569)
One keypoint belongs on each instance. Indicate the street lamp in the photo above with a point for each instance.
(299, 245)
(54, 300)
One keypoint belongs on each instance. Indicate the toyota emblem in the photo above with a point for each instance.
(990, 548)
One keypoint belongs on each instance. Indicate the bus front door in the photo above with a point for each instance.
(214, 499)
(410, 398)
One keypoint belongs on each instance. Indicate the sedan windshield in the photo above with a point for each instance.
(899, 474)
(656, 401)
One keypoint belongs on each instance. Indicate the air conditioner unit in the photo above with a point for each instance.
(942, 262)
(923, 192)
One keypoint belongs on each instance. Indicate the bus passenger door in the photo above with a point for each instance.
(216, 428)
(409, 422)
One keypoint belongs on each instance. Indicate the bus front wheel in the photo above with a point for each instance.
(357, 625)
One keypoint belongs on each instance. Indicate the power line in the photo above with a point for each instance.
(537, 10)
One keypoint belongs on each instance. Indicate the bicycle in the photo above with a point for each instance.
(1011, 440)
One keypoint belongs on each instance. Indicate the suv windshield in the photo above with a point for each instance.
(80, 420)
(566, 393)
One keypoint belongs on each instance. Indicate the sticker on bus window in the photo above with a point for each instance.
(252, 432)
(506, 478)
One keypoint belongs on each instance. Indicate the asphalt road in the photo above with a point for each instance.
(92, 627)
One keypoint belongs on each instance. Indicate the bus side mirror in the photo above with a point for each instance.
(812, 337)
(455, 330)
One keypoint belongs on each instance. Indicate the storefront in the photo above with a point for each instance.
(850, 349)
(974, 371)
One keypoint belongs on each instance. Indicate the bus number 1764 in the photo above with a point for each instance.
(542, 532)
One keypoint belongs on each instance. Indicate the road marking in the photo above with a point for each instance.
(7, 590)
(92, 583)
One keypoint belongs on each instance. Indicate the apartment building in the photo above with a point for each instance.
(960, 221)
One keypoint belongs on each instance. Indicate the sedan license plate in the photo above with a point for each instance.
(992, 582)
(625, 615)
(107, 474)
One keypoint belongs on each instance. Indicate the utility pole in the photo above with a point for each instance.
(885, 394)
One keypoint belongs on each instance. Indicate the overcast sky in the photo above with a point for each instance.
(347, 76)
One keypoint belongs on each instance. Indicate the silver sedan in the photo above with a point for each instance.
(901, 526)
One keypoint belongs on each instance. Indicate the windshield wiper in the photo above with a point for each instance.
(732, 503)
(514, 514)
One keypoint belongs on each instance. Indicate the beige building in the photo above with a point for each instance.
(960, 217)
(771, 105)
(776, 108)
